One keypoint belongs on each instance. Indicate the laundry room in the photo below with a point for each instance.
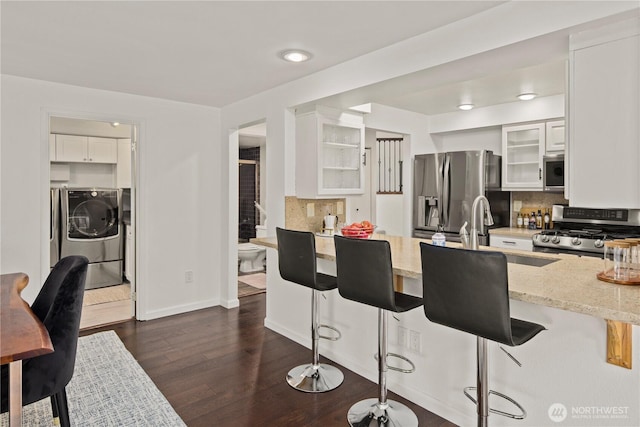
(91, 211)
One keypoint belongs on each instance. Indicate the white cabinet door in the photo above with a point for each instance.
(52, 147)
(604, 106)
(75, 148)
(555, 136)
(504, 242)
(123, 169)
(329, 156)
(102, 150)
(71, 148)
(522, 150)
(128, 253)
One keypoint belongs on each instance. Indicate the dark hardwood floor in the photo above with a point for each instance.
(220, 367)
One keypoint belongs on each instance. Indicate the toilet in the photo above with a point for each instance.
(251, 257)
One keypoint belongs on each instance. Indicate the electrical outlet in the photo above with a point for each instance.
(517, 205)
(339, 208)
(414, 341)
(403, 340)
(311, 210)
(188, 276)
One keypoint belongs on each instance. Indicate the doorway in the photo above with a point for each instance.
(251, 209)
(92, 174)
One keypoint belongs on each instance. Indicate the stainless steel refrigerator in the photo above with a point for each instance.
(445, 186)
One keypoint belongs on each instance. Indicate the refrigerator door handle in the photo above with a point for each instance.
(446, 184)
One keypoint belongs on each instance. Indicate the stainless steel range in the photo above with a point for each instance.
(583, 231)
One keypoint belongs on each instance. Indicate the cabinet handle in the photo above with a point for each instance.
(539, 173)
(364, 159)
(508, 242)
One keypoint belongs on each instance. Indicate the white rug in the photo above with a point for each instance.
(257, 280)
(108, 388)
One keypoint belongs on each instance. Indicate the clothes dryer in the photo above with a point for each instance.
(91, 226)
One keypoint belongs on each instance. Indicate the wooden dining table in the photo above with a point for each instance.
(22, 336)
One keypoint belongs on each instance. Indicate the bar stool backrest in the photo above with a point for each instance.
(365, 273)
(467, 290)
(297, 256)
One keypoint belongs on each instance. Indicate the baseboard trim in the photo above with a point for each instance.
(179, 309)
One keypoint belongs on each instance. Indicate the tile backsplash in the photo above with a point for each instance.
(297, 210)
(534, 200)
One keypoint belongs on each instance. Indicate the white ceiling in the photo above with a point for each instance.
(203, 52)
(215, 52)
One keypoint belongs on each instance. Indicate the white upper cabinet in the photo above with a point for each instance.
(329, 154)
(555, 136)
(604, 107)
(75, 148)
(522, 149)
(123, 170)
(52, 147)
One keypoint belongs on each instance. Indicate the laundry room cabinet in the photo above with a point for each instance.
(86, 149)
(329, 154)
(123, 170)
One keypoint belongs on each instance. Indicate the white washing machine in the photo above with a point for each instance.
(92, 226)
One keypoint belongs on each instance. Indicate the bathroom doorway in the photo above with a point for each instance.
(251, 209)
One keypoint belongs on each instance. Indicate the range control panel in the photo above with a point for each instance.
(597, 214)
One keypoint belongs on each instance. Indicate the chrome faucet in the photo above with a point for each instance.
(488, 219)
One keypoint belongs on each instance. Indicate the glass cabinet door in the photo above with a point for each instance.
(522, 151)
(341, 157)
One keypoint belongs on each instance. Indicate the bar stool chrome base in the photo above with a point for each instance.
(315, 378)
(371, 413)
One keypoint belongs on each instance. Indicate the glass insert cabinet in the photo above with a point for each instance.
(329, 154)
(522, 151)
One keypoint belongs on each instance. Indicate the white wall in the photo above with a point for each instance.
(472, 139)
(544, 108)
(179, 188)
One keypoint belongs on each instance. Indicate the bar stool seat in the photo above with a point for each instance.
(365, 275)
(469, 291)
(297, 264)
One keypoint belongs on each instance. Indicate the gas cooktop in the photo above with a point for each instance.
(584, 230)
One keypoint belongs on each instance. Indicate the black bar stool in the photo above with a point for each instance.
(469, 291)
(365, 275)
(297, 263)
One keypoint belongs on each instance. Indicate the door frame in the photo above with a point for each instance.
(137, 287)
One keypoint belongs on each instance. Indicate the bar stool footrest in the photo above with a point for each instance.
(330, 338)
(521, 416)
(395, 368)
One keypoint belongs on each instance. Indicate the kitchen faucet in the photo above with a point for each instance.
(488, 219)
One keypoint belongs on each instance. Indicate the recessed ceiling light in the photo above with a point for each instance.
(295, 55)
(527, 96)
(115, 124)
(465, 107)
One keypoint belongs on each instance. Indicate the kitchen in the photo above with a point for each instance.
(167, 167)
(574, 350)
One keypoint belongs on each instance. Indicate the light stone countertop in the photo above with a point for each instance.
(568, 284)
(513, 232)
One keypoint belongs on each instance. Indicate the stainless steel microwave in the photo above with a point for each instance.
(553, 172)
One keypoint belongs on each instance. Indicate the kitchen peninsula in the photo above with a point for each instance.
(566, 364)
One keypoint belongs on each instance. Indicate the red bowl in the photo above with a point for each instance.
(358, 233)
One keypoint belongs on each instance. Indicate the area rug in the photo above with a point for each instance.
(257, 280)
(107, 294)
(108, 388)
(245, 290)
